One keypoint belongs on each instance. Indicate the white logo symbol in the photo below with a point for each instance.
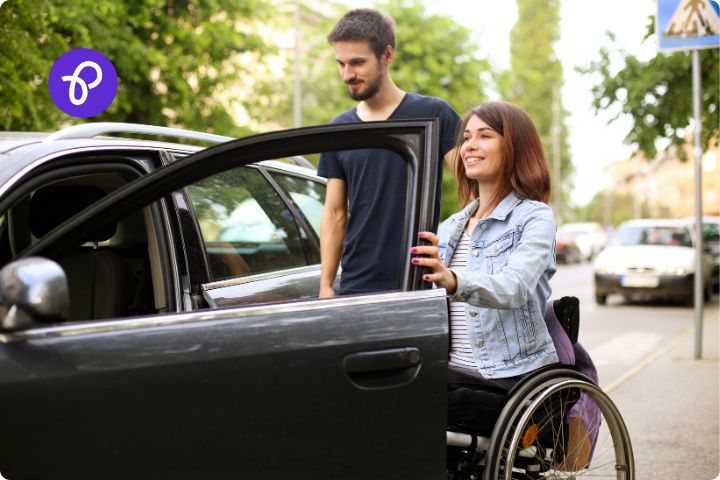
(83, 86)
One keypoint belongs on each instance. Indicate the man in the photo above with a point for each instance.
(373, 180)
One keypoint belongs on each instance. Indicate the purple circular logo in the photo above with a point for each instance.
(83, 83)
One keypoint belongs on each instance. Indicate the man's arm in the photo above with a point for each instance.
(332, 233)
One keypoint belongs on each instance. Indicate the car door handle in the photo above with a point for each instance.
(378, 360)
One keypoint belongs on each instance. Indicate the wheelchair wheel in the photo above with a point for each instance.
(565, 428)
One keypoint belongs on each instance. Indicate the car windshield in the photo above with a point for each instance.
(676, 236)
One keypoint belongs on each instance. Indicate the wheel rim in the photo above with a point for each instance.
(564, 418)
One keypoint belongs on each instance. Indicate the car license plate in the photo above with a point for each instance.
(647, 281)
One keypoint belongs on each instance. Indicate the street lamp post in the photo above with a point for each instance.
(557, 191)
(297, 106)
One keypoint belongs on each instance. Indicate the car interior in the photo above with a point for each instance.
(117, 272)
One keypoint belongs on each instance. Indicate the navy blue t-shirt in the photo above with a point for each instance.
(377, 188)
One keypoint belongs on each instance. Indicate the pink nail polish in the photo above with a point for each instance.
(421, 234)
(426, 277)
(415, 260)
(413, 250)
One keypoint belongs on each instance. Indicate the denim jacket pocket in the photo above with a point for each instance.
(498, 251)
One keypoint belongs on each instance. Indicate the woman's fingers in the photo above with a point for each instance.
(432, 277)
(426, 250)
(433, 263)
(430, 237)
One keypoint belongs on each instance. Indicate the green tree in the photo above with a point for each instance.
(534, 72)
(174, 58)
(657, 94)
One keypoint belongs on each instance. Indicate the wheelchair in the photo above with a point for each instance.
(555, 424)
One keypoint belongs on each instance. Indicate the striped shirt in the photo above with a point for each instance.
(460, 351)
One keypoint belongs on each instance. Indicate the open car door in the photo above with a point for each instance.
(346, 387)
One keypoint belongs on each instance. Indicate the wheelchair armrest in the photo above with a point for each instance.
(567, 311)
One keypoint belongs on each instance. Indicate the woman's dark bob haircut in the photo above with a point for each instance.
(524, 169)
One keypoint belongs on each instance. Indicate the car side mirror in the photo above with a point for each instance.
(33, 290)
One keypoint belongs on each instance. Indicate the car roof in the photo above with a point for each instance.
(19, 150)
(10, 140)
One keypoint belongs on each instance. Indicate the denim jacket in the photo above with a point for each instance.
(511, 259)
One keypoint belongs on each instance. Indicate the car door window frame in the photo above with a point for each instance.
(310, 231)
(402, 137)
(195, 250)
(309, 242)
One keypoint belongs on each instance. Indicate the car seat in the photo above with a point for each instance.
(100, 281)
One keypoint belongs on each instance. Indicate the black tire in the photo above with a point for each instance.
(536, 439)
(600, 299)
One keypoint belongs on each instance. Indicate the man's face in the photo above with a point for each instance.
(360, 69)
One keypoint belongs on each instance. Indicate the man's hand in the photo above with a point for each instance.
(326, 292)
(442, 276)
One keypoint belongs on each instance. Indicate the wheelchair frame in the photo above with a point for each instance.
(489, 456)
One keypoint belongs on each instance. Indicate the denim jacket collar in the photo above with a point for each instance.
(501, 211)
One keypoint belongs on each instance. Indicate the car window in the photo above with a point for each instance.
(246, 227)
(671, 236)
(307, 195)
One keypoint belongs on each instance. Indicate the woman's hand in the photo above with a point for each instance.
(441, 275)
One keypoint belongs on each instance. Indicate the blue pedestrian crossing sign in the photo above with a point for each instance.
(687, 24)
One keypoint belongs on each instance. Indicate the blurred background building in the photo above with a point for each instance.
(664, 186)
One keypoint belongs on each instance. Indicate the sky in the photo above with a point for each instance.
(593, 142)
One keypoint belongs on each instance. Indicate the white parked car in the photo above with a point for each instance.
(590, 237)
(651, 257)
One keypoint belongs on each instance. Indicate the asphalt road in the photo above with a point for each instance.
(644, 352)
(624, 332)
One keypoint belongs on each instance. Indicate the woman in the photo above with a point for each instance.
(495, 258)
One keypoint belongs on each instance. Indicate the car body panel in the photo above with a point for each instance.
(214, 396)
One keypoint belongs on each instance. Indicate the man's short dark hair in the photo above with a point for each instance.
(365, 24)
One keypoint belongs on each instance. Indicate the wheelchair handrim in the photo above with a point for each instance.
(623, 450)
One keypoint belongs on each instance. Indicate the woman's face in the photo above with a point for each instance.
(482, 151)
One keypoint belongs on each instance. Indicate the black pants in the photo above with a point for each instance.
(474, 401)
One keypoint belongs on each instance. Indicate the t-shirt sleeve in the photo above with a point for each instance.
(329, 166)
(449, 123)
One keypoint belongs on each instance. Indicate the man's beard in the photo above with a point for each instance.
(370, 90)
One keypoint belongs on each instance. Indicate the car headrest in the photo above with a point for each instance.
(51, 206)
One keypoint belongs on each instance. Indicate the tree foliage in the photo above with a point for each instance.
(657, 94)
(173, 58)
(534, 72)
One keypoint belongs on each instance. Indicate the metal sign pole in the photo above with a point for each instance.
(699, 251)
(682, 25)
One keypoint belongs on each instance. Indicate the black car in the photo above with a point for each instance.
(194, 344)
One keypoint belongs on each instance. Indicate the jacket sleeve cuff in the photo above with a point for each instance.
(461, 288)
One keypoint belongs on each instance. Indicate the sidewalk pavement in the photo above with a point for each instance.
(672, 411)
